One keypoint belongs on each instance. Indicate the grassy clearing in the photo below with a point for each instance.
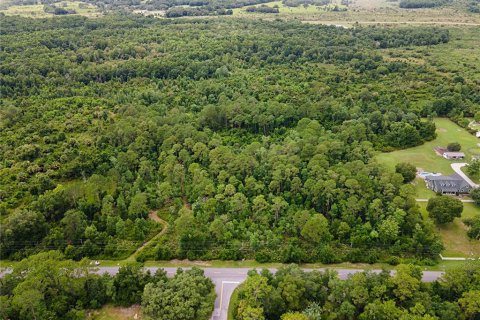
(36, 11)
(110, 312)
(377, 12)
(425, 157)
(285, 10)
(454, 236)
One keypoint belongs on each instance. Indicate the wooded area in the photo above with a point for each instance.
(46, 286)
(254, 139)
(292, 294)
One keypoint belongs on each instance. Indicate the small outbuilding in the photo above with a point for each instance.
(453, 155)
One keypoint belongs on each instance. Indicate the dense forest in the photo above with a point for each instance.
(252, 139)
(292, 294)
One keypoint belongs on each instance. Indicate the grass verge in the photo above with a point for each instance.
(110, 312)
(233, 303)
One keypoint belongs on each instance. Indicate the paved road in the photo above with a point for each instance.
(227, 279)
(457, 168)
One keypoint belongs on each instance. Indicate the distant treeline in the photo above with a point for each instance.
(196, 11)
(413, 4)
(297, 3)
(262, 9)
(474, 6)
(50, 8)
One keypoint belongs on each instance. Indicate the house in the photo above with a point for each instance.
(452, 184)
(453, 155)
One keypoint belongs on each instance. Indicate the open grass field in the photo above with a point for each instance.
(110, 312)
(424, 156)
(285, 10)
(461, 55)
(455, 239)
(36, 11)
(370, 12)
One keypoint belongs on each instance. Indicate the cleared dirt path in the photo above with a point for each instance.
(152, 215)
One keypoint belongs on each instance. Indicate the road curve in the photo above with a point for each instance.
(457, 167)
(227, 279)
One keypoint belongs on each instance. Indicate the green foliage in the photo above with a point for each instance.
(128, 285)
(365, 295)
(413, 4)
(189, 295)
(316, 229)
(473, 168)
(249, 125)
(443, 209)
(475, 194)
(407, 170)
(296, 3)
(454, 146)
(45, 286)
(474, 227)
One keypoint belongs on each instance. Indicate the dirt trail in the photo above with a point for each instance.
(152, 215)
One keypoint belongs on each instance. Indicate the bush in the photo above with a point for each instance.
(263, 256)
(475, 194)
(454, 147)
(474, 227)
(407, 170)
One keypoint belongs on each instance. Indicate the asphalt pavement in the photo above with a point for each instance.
(227, 279)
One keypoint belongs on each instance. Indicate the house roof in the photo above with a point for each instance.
(452, 183)
(454, 154)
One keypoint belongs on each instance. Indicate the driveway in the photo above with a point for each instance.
(457, 168)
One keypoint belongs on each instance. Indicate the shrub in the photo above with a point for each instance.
(454, 146)
(407, 170)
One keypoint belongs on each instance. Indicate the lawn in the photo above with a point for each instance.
(455, 239)
(110, 312)
(424, 156)
(454, 236)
